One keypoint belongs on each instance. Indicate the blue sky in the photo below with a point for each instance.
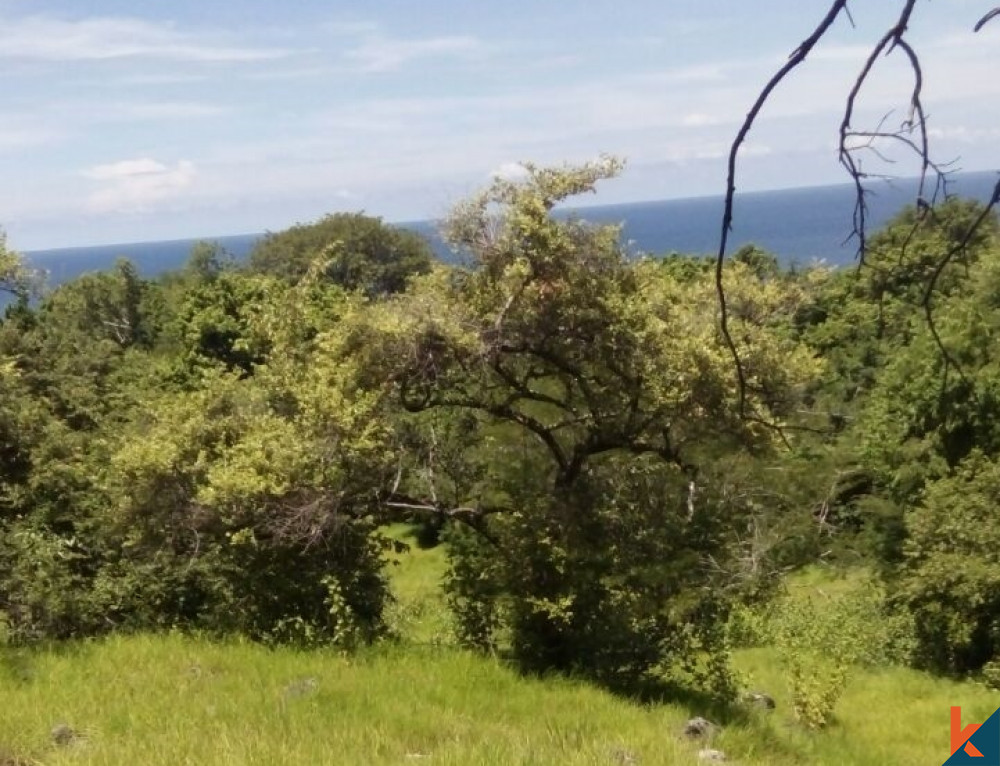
(147, 120)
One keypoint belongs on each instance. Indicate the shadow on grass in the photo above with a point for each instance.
(697, 702)
(650, 692)
(17, 661)
(16, 666)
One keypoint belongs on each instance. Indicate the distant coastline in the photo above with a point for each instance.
(798, 225)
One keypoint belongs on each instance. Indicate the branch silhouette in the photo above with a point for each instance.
(912, 135)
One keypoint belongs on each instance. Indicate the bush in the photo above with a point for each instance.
(822, 638)
(950, 578)
(605, 582)
(45, 586)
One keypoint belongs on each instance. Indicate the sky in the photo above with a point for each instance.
(135, 121)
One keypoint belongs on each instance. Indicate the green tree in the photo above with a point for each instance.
(207, 261)
(600, 394)
(228, 503)
(215, 321)
(950, 576)
(358, 252)
(15, 277)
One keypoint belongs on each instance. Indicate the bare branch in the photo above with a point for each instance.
(985, 19)
(912, 135)
(798, 56)
(939, 269)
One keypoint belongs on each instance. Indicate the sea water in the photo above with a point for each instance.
(797, 225)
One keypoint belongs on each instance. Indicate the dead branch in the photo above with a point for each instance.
(912, 135)
(798, 56)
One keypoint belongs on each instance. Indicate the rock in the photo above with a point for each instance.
(760, 700)
(63, 734)
(700, 728)
(713, 756)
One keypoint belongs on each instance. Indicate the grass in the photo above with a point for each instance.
(420, 612)
(171, 699)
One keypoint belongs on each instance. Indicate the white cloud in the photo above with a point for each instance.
(716, 73)
(45, 38)
(351, 28)
(145, 80)
(138, 185)
(985, 39)
(382, 54)
(510, 171)
(838, 53)
(125, 169)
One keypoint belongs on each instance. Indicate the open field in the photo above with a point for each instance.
(173, 700)
(178, 700)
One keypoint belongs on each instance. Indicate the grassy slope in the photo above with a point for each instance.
(175, 700)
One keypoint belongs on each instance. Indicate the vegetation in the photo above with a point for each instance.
(169, 698)
(353, 250)
(537, 463)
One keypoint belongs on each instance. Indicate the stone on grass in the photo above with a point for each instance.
(63, 735)
(760, 700)
(700, 728)
(712, 756)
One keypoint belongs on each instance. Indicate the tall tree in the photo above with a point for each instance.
(599, 396)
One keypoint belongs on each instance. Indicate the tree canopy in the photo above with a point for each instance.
(356, 251)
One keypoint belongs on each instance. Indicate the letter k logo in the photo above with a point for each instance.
(960, 736)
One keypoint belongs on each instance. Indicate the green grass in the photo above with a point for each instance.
(170, 699)
(420, 612)
(175, 700)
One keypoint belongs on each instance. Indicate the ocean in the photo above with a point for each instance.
(797, 225)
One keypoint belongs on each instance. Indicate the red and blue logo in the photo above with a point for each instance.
(977, 743)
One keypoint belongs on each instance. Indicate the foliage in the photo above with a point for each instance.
(15, 277)
(357, 252)
(219, 448)
(229, 504)
(598, 390)
(254, 492)
(904, 408)
(825, 635)
(215, 322)
(950, 577)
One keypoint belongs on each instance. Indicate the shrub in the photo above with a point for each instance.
(605, 582)
(821, 639)
(950, 578)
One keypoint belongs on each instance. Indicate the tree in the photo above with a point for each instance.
(358, 252)
(15, 278)
(215, 321)
(231, 503)
(950, 577)
(104, 306)
(597, 396)
(207, 261)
